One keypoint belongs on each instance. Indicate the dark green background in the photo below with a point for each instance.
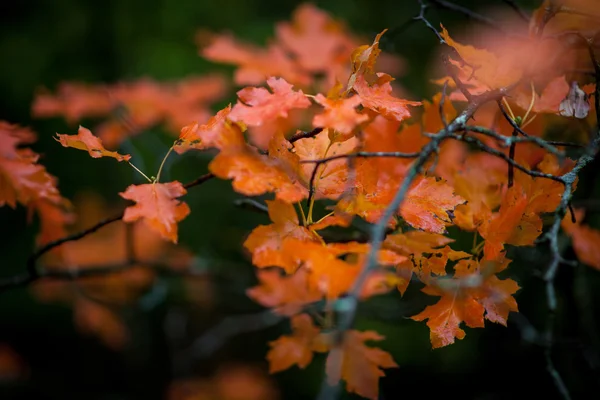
(45, 42)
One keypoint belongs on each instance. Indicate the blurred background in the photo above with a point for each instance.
(162, 336)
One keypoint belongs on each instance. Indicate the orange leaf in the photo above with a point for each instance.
(217, 132)
(254, 64)
(340, 115)
(314, 38)
(254, 174)
(21, 178)
(359, 365)
(258, 105)
(157, 207)
(466, 297)
(265, 241)
(428, 203)
(286, 294)
(486, 67)
(296, 348)
(85, 140)
(363, 60)
(378, 98)
(584, 239)
(331, 178)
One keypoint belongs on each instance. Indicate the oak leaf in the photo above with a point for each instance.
(157, 207)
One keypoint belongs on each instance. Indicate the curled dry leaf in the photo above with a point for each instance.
(85, 140)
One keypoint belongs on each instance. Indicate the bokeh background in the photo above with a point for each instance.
(173, 341)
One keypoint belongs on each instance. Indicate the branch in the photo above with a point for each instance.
(347, 306)
(32, 273)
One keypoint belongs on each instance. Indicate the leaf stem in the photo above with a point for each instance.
(162, 164)
(302, 214)
(140, 171)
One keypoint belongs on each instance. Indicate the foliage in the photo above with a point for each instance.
(325, 136)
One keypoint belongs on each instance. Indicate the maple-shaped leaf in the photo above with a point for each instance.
(217, 132)
(428, 204)
(285, 294)
(265, 241)
(339, 115)
(254, 174)
(258, 105)
(255, 64)
(363, 60)
(378, 98)
(74, 101)
(85, 140)
(21, 178)
(157, 207)
(295, 349)
(584, 239)
(330, 180)
(473, 291)
(549, 101)
(314, 38)
(512, 224)
(328, 274)
(359, 365)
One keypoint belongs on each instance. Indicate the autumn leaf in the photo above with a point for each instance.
(472, 292)
(339, 115)
(85, 140)
(217, 132)
(254, 174)
(584, 239)
(265, 241)
(286, 294)
(428, 204)
(258, 105)
(378, 98)
(255, 64)
(22, 179)
(357, 364)
(295, 349)
(363, 60)
(314, 38)
(157, 207)
(330, 180)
